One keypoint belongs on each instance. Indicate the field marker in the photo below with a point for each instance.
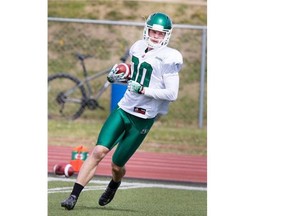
(124, 185)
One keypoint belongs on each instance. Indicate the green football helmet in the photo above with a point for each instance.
(159, 22)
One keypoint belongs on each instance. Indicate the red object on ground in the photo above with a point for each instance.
(63, 169)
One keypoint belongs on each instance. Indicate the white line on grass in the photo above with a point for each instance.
(124, 185)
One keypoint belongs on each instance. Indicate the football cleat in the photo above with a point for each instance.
(108, 195)
(70, 202)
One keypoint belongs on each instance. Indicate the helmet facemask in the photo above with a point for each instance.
(152, 44)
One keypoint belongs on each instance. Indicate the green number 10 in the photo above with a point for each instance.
(142, 73)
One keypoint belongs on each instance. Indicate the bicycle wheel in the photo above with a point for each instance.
(66, 97)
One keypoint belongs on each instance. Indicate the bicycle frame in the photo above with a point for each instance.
(87, 78)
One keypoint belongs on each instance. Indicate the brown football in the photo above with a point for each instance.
(65, 169)
(124, 68)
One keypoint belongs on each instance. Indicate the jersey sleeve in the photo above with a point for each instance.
(172, 65)
(169, 93)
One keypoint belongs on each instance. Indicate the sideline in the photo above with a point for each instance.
(101, 185)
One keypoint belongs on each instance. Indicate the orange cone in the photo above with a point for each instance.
(79, 155)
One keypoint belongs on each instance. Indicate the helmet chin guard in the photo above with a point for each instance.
(158, 22)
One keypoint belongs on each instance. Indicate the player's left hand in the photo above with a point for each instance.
(135, 87)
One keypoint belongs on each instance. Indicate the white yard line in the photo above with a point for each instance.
(102, 184)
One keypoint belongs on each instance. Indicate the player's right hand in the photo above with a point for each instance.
(113, 76)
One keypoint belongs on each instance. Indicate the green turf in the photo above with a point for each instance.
(134, 201)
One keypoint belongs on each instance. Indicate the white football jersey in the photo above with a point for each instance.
(157, 70)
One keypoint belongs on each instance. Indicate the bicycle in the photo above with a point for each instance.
(68, 96)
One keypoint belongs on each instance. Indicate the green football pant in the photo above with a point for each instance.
(127, 131)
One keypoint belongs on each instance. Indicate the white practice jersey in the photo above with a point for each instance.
(157, 70)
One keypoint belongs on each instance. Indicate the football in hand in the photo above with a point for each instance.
(65, 169)
(124, 68)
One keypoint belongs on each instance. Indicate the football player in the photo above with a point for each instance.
(153, 84)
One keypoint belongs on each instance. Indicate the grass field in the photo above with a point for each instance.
(133, 198)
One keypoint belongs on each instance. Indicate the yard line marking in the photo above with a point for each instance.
(124, 186)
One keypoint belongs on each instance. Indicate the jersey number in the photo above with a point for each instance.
(141, 74)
